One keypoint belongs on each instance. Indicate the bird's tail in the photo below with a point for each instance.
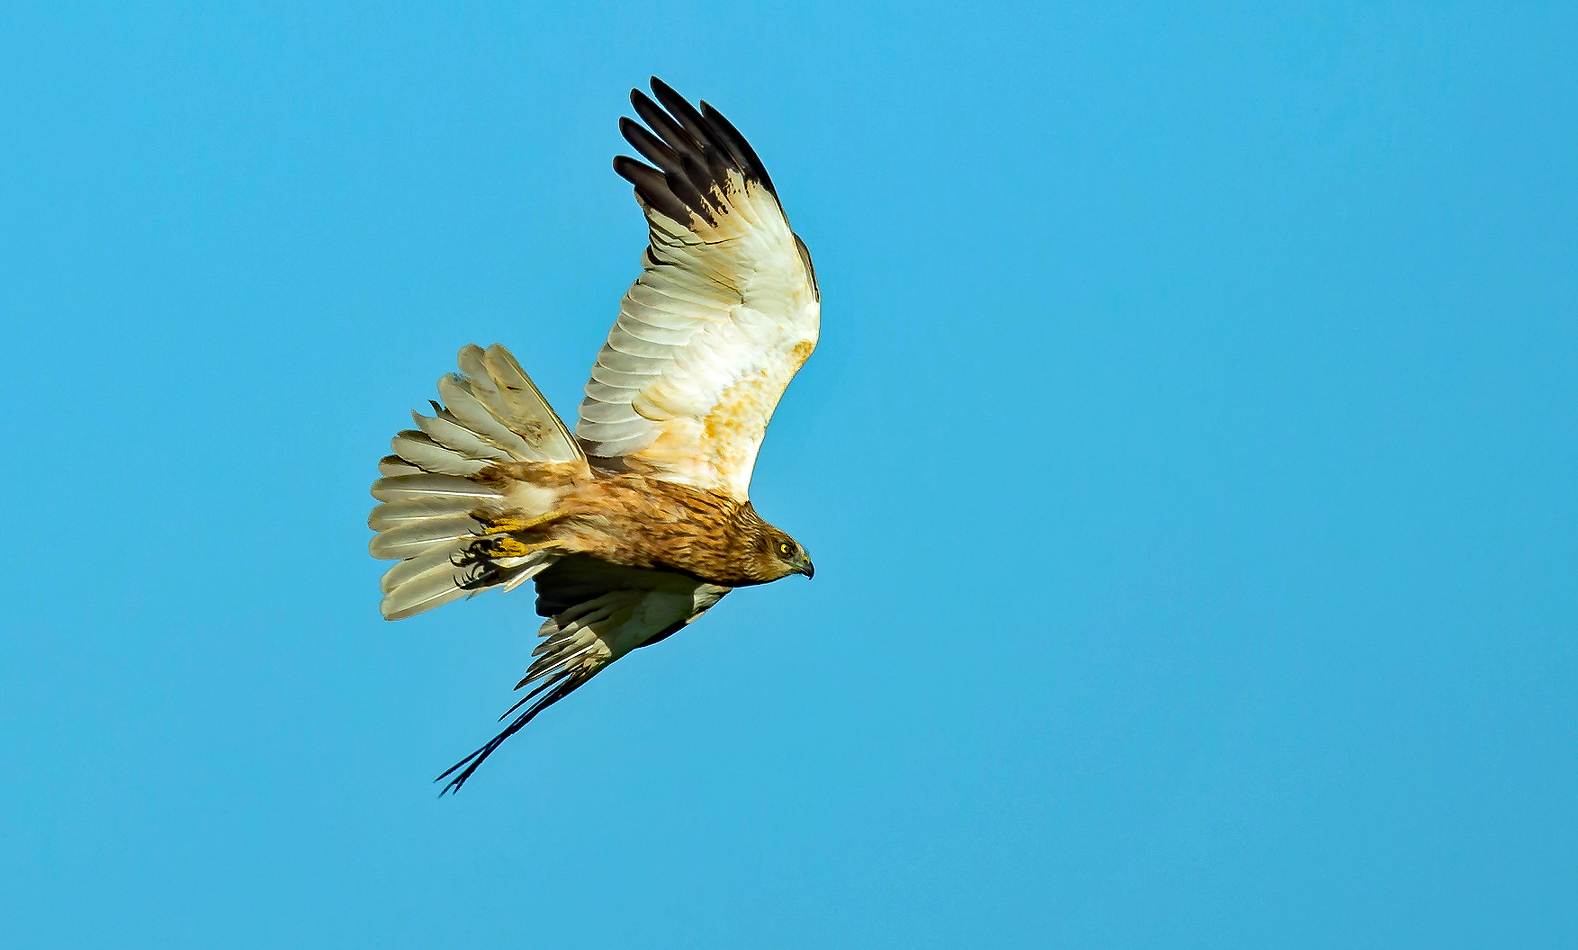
(445, 514)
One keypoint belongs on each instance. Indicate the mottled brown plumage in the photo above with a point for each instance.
(645, 522)
(639, 522)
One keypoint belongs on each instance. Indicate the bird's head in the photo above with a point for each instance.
(767, 554)
(777, 555)
(793, 558)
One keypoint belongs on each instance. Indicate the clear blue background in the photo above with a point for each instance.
(1189, 463)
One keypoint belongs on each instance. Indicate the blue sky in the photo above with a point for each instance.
(1188, 460)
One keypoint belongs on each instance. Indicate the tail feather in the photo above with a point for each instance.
(500, 385)
(421, 449)
(436, 505)
(449, 432)
(396, 513)
(395, 465)
(412, 538)
(412, 568)
(435, 489)
(468, 411)
(423, 592)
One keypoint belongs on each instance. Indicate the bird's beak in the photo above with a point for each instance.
(806, 567)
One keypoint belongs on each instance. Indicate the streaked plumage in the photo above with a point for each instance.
(638, 523)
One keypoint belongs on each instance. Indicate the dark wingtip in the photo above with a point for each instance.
(745, 156)
(652, 187)
(694, 150)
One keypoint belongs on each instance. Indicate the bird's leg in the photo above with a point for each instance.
(516, 525)
(509, 547)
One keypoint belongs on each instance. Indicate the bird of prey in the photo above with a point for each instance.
(639, 522)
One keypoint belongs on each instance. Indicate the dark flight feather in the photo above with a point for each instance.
(693, 151)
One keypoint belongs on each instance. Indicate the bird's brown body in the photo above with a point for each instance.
(639, 521)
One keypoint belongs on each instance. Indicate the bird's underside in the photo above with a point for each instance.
(638, 523)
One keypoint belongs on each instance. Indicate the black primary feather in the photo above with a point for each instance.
(673, 165)
(683, 112)
(651, 147)
(694, 152)
(664, 127)
(713, 153)
(652, 187)
(744, 156)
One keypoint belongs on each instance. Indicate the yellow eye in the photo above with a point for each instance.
(784, 548)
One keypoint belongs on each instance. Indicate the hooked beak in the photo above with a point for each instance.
(805, 566)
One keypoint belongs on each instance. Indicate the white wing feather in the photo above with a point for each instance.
(722, 317)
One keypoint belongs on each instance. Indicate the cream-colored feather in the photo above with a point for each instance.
(434, 505)
(723, 315)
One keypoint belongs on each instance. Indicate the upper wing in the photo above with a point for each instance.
(725, 312)
(597, 612)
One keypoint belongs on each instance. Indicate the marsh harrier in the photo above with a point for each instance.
(639, 522)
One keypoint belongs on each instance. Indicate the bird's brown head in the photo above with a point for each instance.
(770, 553)
(787, 555)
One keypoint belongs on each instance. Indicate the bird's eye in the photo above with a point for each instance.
(785, 548)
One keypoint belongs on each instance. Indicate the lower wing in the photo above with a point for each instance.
(597, 612)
